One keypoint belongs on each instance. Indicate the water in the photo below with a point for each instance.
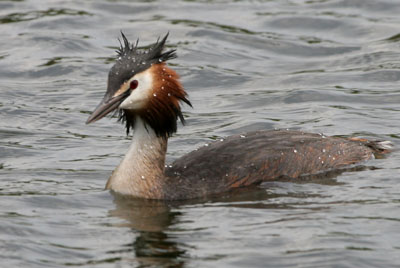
(324, 66)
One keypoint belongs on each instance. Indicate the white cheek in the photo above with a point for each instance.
(140, 96)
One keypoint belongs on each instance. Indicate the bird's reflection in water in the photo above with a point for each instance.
(149, 220)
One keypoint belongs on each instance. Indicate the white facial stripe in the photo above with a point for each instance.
(139, 96)
(122, 89)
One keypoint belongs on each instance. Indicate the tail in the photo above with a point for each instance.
(382, 147)
(378, 147)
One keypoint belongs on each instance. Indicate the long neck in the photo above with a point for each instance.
(141, 172)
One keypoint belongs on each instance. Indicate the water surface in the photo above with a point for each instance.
(324, 66)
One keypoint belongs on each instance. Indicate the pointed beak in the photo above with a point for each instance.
(106, 106)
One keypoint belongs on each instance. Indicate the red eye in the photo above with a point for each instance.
(134, 84)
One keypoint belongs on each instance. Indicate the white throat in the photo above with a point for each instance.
(141, 171)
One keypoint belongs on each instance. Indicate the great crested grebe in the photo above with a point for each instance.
(147, 94)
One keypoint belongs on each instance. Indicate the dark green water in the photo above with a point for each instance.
(325, 66)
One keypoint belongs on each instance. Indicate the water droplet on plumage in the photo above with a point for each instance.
(169, 94)
(206, 144)
(221, 140)
(162, 87)
(323, 150)
(154, 94)
(143, 177)
(242, 136)
(295, 151)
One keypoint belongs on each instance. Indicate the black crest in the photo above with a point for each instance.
(153, 55)
(131, 61)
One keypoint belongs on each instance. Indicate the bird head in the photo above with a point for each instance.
(140, 84)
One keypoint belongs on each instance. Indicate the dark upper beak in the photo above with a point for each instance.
(106, 106)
